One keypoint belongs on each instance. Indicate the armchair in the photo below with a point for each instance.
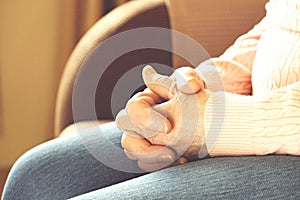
(213, 24)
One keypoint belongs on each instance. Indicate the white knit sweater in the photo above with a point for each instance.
(265, 62)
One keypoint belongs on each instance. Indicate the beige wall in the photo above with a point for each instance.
(29, 31)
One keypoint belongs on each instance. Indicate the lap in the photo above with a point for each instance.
(65, 167)
(257, 177)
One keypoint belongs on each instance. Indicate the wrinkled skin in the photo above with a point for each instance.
(163, 126)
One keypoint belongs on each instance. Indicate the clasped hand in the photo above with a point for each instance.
(163, 125)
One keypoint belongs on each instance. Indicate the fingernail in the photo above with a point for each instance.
(167, 127)
(166, 130)
(166, 158)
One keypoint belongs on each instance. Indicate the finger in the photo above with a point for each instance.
(167, 108)
(145, 120)
(188, 80)
(179, 161)
(150, 167)
(141, 149)
(162, 85)
(124, 122)
(130, 155)
(152, 97)
(140, 117)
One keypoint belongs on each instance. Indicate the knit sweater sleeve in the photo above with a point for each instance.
(231, 71)
(254, 125)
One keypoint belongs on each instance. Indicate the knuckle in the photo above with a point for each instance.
(140, 117)
(130, 141)
(132, 106)
(120, 115)
(132, 102)
(123, 120)
(124, 141)
(136, 96)
(135, 107)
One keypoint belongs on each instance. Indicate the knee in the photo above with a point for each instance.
(21, 177)
(31, 175)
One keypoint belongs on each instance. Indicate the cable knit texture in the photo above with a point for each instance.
(254, 125)
(235, 65)
(276, 121)
(265, 62)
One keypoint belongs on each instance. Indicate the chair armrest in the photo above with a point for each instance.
(74, 128)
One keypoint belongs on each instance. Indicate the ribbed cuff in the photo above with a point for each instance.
(210, 74)
(228, 124)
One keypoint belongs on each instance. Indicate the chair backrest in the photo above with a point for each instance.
(133, 14)
(214, 24)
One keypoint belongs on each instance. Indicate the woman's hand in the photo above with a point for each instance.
(139, 109)
(186, 114)
(140, 119)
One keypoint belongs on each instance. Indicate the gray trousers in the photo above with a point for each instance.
(63, 168)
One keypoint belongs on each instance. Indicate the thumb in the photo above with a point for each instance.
(163, 86)
(188, 81)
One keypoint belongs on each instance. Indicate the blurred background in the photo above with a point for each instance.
(36, 39)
